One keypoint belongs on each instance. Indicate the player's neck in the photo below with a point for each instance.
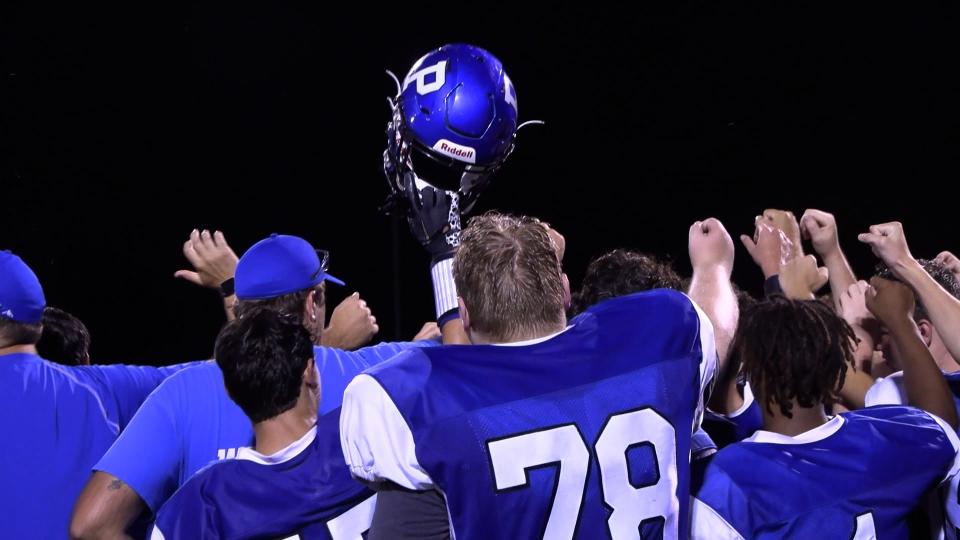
(18, 349)
(479, 338)
(947, 363)
(283, 430)
(804, 419)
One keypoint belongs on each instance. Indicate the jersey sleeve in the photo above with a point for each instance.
(707, 524)
(719, 508)
(886, 391)
(955, 445)
(709, 363)
(187, 514)
(748, 418)
(377, 442)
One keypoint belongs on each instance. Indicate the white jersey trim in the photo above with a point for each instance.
(748, 400)
(376, 441)
(818, 433)
(533, 341)
(706, 523)
(887, 390)
(292, 450)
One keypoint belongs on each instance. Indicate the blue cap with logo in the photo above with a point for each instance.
(280, 264)
(21, 297)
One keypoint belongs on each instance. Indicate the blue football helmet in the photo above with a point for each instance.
(455, 114)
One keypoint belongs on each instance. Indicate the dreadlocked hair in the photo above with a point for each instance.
(793, 350)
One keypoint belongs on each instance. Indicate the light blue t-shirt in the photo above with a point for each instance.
(190, 421)
(61, 419)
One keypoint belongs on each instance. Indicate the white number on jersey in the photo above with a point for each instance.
(511, 458)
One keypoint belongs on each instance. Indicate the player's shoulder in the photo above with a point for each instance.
(194, 378)
(192, 491)
(190, 391)
(884, 417)
(904, 427)
(656, 309)
(407, 370)
(199, 372)
(664, 301)
(200, 499)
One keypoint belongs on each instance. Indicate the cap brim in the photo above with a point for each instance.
(331, 279)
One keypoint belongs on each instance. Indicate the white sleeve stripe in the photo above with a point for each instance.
(886, 391)
(708, 360)
(705, 522)
(708, 347)
(954, 442)
(747, 401)
(377, 444)
(444, 288)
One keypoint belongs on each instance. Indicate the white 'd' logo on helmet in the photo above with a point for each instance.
(456, 151)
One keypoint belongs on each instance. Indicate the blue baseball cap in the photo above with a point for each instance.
(278, 265)
(21, 297)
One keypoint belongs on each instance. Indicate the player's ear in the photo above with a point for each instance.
(464, 315)
(567, 297)
(310, 375)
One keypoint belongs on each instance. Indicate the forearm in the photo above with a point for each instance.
(446, 303)
(711, 290)
(855, 386)
(105, 508)
(924, 383)
(841, 275)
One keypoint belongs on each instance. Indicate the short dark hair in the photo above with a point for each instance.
(17, 333)
(793, 350)
(288, 304)
(65, 339)
(262, 356)
(621, 272)
(940, 273)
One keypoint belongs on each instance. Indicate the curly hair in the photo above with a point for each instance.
(793, 350)
(940, 273)
(620, 272)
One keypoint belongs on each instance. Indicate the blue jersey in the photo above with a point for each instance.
(891, 391)
(582, 434)
(60, 420)
(945, 508)
(303, 490)
(859, 473)
(190, 421)
(737, 425)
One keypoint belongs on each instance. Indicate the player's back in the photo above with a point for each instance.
(859, 473)
(557, 438)
(57, 429)
(304, 490)
(944, 507)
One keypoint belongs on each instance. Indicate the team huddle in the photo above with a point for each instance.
(643, 405)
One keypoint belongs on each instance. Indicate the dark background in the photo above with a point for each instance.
(124, 127)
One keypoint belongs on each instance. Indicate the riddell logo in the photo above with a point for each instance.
(456, 151)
